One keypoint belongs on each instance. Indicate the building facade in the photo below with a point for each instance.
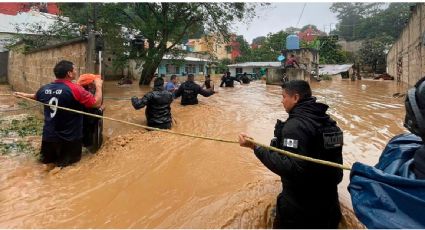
(215, 46)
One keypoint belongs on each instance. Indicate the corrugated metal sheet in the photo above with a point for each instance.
(334, 69)
(8, 22)
(169, 57)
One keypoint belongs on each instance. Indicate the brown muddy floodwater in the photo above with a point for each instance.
(145, 179)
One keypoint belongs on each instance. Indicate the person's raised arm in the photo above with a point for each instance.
(140, 103)
(205, 93)
(98, 95)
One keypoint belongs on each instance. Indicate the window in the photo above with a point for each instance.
(201, 68)
(171, 69)
(190, 68)
(238, 70)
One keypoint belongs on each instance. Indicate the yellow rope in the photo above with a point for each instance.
(283, 152)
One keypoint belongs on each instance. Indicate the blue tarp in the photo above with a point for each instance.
(388, 195)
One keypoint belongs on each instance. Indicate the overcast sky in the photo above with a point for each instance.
(279, 16)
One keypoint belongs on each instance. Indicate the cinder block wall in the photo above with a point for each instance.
(406, 57)
(28, 71)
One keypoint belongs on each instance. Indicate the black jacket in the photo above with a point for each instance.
(419, 163)
(309, 197)
(228, 81)
(189, 91)
(158, 110)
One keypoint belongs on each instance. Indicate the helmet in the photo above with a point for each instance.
(415, 109)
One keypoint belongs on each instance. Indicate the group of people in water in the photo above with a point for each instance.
(158, 101)
(309, 197)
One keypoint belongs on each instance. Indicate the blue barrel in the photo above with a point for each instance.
(292, 42)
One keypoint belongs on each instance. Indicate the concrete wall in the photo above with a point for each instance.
(28, 71)
(274, 76)
(405, 59)
(306, 58)
(248, 69)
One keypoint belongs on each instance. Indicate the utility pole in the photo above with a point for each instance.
(91, 43)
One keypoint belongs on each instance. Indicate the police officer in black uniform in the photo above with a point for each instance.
(189, 91)
(415, 123)
(228, 81)
(309, 197)
(245, 79)
(158, 101)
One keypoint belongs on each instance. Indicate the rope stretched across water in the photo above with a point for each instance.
(283, 152)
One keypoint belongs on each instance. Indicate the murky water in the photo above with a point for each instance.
(145, 179)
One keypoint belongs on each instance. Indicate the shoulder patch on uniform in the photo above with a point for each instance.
(291, 143)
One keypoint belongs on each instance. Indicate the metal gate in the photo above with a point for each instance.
(4, 59)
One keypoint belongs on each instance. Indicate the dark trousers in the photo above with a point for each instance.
(318, 215)
(61, 153)
(161, 126)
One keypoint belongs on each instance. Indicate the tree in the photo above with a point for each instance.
(390, 21)
(258, 40)
(292, 30)
(270, 48)
(373, 51)
(350, 15)
(222, 65)
(330, 52)
(162, 25)
(369, 20)
(243, 45)
(244, 49)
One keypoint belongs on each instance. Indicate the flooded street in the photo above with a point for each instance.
(143, 179)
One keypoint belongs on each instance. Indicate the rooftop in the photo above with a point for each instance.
(257, 64)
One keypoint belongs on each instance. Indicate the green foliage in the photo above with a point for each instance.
(258, 40)
(30, 126)
(373, 52)
(16, 147)
(243, 45)
(163, 25)
(369, 20)
(15, 130)
(377, 24)
(222, 65)
(330, 52)
(270, 48)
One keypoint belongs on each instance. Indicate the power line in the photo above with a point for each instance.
(301, 14)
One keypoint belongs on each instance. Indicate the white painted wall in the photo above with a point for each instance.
(244, 69)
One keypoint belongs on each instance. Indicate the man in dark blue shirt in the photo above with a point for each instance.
(63, 130)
